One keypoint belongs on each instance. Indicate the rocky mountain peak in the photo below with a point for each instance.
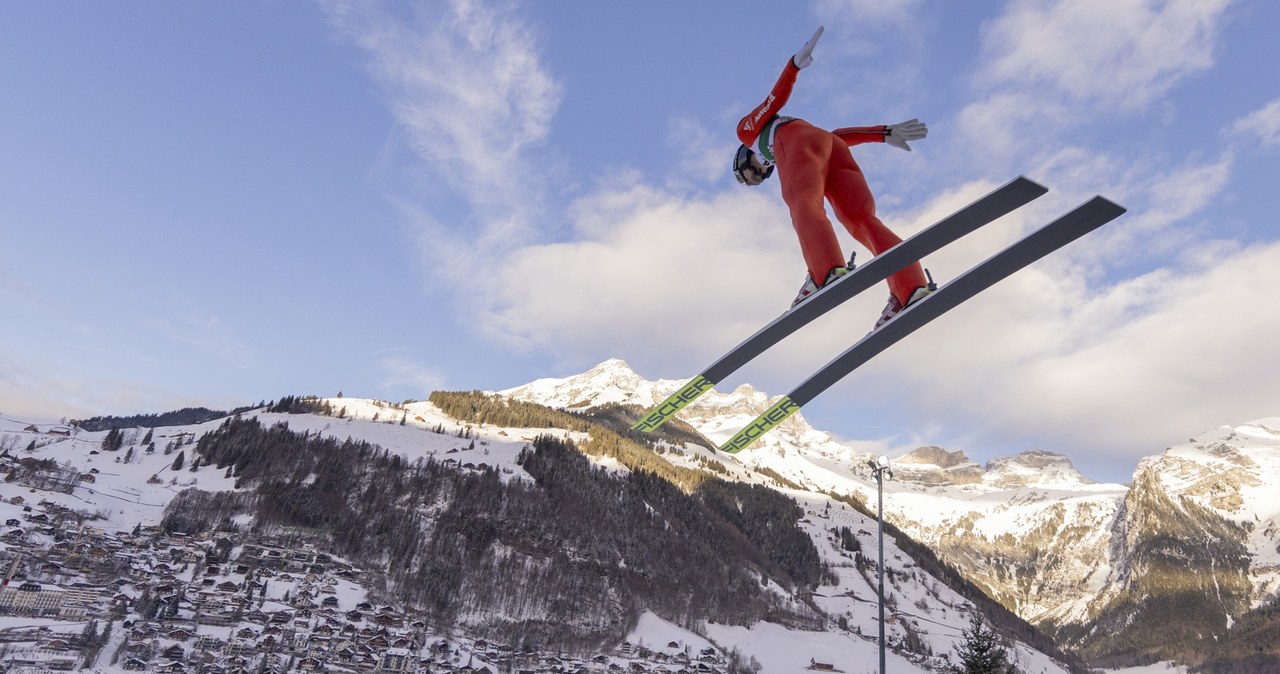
(612, 381)
(1041, 535)
(1230, 469)
(932, 465)
(1035, 468)
(934, 456)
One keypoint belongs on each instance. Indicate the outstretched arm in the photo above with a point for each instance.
(896, 135)
(749, 127)
(856, 135)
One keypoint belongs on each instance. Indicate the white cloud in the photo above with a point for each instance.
(1158, 356)
(1120, 53)
(643, 267)
(700, 155)
(1050, 67)
(465, 82)
(1163, 201)
(1261, 127)
(401, 371)
(1006, 126)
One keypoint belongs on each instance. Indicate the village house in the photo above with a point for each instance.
(31, 599)
(179, 634)
(180, 582)
(396, 660)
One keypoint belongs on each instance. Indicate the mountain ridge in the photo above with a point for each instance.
(614, 382)
(295, 471)
(1058, 548)
(1101, 567)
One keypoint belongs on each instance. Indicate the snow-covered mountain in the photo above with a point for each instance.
(1196, 538)
(134, 485)
(1128, 574)
(716, 415)
(1233, 472)
(612, 381)
(979, 518)
(1057, 548)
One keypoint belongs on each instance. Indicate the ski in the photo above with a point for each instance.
(1084, 219)
(1004, 199)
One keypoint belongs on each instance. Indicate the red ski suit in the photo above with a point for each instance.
(813, 163)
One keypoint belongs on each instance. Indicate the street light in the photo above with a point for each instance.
(880, 467)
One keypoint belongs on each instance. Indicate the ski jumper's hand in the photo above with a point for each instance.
(804, 58)
(898, 134)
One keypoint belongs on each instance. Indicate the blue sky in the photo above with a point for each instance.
(220, 203)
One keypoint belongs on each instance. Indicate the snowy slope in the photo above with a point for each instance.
(962, 510)
(925, 609)
(716, 415)
(123, 494)
(1030, 528)
(1046, 525)
(1235, 472)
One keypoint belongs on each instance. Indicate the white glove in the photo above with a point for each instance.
(898, 134)
(804, 58)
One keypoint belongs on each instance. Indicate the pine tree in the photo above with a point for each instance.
(105, 636)
(89, 635)
(980, 653)
(177, 463)
(113, 442)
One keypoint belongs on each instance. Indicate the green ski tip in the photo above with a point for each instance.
(763, 424)
(674, 404)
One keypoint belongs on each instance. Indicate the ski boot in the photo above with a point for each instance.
(809, 287)
(894, 307)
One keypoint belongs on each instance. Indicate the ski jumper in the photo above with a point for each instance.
(813, 163)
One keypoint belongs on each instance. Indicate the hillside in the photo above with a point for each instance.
(481, 513)
(1102, 567)
(482, 531)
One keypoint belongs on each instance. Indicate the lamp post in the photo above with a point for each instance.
(880, 468)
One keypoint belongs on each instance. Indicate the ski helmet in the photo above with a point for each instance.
(742, 163)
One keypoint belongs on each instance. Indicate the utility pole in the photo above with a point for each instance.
(880, 468)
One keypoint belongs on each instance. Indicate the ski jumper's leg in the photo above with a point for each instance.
(802, 152)
(855, 208)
